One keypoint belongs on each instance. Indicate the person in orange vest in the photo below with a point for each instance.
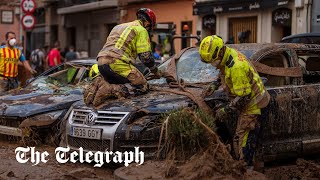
(10, 56)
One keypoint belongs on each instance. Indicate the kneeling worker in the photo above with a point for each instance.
(116, 60)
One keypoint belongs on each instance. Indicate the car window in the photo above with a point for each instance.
(60, 77)
(275, 60)
(191, 69)
(310, 64)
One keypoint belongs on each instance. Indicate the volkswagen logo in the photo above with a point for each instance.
(90, 118)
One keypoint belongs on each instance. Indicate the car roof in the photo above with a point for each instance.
(84, 61)
(301, 35)
(252, 49)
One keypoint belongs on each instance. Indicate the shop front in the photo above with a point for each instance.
(248, 21)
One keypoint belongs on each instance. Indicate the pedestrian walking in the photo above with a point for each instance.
(37, 60)
(10, 56)
(54, 58)
(71, 54)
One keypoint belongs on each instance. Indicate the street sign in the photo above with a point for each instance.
(28, 6)
(28, 21)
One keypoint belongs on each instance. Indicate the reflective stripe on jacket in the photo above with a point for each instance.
(242, 79)
(123, 44)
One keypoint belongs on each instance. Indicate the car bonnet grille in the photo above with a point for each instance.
(103, 117)
(89, 144)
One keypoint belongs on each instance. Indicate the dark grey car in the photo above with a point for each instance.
(45, 100)
(291, 122)
(305, 38)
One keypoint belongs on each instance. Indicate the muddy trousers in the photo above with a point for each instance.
(112, 85)
(245, 139)
(7, 84)
(135, 78)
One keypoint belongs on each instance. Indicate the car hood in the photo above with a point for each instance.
(24, 103)
(153, 102)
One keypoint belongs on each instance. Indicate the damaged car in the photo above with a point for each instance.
(290, 123)
(35, 110)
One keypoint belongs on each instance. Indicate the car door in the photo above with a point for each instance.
(282, 118)
(309, 100)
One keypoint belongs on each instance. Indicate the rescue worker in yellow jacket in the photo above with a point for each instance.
(246, 92)
(116, 59)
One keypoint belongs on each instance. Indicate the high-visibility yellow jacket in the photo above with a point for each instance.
(242, 80)
(123, 44)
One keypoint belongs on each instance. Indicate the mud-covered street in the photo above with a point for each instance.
(175, 89)
(11, 169)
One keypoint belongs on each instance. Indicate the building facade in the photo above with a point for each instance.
(252, 21)
(9, 18)
(177, 12)
(315, 16)
(86, 24)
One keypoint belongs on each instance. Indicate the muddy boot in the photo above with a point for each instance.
(90, 91)
(107, 91)
(136, 90)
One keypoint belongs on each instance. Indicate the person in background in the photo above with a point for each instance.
(37, 60)
(71, 54)
(54, 58)
(157, 54)
(10, 56)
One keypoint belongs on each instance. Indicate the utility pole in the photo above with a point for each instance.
(20, 24)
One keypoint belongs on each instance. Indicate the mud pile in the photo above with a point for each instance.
(302, 170)
(191, 150)
(194, 150)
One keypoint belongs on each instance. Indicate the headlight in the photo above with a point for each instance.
(42, 119)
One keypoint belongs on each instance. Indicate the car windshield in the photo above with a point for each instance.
(191, 69)
(65, 78)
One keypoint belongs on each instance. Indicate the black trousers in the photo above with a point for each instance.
(110, 76)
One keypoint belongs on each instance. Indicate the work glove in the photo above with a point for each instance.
(222, 113)
(155, 74)
(213, 86)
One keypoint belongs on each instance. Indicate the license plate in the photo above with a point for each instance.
(88, 133)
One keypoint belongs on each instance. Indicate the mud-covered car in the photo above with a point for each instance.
(290, 123)
(44, 101)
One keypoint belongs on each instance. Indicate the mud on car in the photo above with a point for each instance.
(290, 123)
(35, 110)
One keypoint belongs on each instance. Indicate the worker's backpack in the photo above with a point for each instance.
(35, 58)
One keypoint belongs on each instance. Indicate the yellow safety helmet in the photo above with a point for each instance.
(210, 48)
(94, 71)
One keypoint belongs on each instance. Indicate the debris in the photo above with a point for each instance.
(81, 173)
(10, 174)
(193, 150)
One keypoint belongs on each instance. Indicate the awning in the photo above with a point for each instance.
(223, 6)
(88, 7)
